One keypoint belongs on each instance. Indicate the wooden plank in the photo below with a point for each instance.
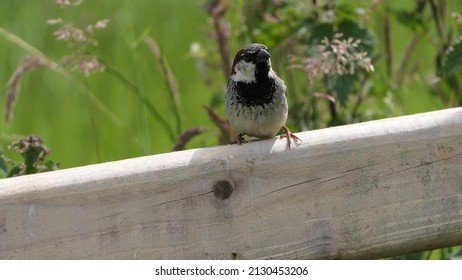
(366, 190)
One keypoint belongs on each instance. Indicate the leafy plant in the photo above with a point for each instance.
(33, 151)
(334, 44)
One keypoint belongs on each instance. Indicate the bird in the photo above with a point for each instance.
(256, 101)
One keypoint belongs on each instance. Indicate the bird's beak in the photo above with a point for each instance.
(262, 55)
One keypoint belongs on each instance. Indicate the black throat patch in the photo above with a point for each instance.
(259, 93)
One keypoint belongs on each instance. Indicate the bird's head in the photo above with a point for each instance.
(251, 63)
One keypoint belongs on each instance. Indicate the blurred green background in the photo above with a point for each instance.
(128, 111)
(66, 114)
(60, 110)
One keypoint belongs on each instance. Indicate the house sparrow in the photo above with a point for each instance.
(256, 102)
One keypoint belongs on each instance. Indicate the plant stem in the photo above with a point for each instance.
(388, 50)
(404, 62)
(169, 78)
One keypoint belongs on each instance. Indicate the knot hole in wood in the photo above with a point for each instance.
(223, 189)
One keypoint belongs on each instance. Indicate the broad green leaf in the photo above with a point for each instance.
(453, 62)
(411, 20)
(340, 86)
(346, 11)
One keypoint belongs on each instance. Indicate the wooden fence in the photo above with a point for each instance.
(360, 191)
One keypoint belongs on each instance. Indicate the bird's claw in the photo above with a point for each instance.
(239, 139)
(287, 134)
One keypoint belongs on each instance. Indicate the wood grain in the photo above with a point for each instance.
(361, 191)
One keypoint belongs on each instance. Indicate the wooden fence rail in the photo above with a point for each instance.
(365, 190)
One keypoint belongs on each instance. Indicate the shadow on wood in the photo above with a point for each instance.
(359, 191)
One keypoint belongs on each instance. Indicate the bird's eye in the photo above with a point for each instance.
(248, 56)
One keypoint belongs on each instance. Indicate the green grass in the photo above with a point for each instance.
(61, 111)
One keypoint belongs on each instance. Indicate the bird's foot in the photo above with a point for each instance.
(239, 139)
(287, 134)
